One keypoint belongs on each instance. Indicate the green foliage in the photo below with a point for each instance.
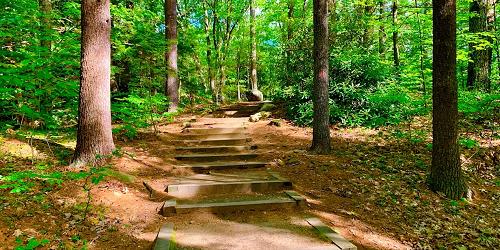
(26, 181)
(32, 243)
(134, 111)
(359, 95)
(469, 143)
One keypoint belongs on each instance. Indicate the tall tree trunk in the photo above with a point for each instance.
(422, 52)
(257, 95)
(381, 31)
(445, 173)
(495, 29)
(479, 67)
(332, 6)
(94, 136)
(172, 83)
(289, 37)
(211, 75)
(46, 8)
(369, 8)
(321, 119)
(395, 34)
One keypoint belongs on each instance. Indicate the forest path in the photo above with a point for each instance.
(231, 200)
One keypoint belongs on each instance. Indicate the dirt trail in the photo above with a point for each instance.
(213, 144)
(152, 158)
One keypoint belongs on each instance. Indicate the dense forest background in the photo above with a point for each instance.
(380, 59)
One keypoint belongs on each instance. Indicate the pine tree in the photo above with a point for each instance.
(172, 83)
(321, 128)
(445, 173)
(94, 136)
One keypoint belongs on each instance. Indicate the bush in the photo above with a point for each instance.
(357, 95)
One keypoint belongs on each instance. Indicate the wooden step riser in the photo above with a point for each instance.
(214, 136)
(193, 190)
(213, 130)
(217, 125)
(235, 149)
(165, 238)
(282, 205)
(206, 170)
(228, 142)
(213, 158)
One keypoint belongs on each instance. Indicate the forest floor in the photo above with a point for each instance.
(372, 188)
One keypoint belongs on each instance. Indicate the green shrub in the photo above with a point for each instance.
(357, 94)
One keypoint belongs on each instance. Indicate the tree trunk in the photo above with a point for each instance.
(369, 8)
(255, 94)
(321, 121)
(94, 136)
(172, 83)
(495, 29)
(46, 8)
(289, 37)
(422, 52)
(332, 6)
(395, 34)
(381, 31)
(211, 75)
(479, 67)
(445, 173)
(253, 54)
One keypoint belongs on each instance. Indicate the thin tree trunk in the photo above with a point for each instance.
(369, 8)
(172, 83)
(94, 136)
(479, 67)
(46, 8)
(422, 52)
(289, 37)
(321, 121)
(211, 75)
(238, 70)
(253, 53)
(495, 29)
(381, 31)
(395, 34)
(445, 173)
(332, 6)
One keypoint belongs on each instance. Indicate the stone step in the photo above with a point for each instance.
(212, 184)
(225, 130)
(288, 200)
(218, 125)
(243, 105)
(205, 167)
(215, 149)
(340, 242)
(220, 141)
(213, 136)
(165, 238)
(216, 157)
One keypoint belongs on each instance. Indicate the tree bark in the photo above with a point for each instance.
(289, 37)
(395, 34)
(255, 94)
(381, 31)
(210, 71)
(445, 173)
(94, 136)
(253, 53)
(172, 83)
(321, 121)
(369, 8)
(422, 52)
(479, 67)
(46, 8)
